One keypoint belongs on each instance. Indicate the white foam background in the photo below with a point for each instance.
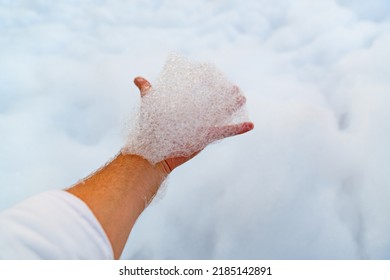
(311, 181)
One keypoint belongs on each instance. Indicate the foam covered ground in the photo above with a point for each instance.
(311, 181)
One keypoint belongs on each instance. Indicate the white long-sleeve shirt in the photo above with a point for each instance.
(52, 225)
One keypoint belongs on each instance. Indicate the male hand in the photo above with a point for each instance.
(216, 133)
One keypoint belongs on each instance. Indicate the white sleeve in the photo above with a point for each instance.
(52, 225)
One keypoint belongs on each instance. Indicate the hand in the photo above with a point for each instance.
(216, 133)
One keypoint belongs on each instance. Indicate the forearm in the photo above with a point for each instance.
(119, 192)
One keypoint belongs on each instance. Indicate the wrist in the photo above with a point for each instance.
(144, 174)
(164, 167)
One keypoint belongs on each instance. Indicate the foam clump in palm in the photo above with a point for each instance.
(191, 105)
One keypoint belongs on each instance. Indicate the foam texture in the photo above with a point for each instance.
(191, 105)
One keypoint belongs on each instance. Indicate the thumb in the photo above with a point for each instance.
(143, 85)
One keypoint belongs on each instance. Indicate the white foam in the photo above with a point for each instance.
(184, 112)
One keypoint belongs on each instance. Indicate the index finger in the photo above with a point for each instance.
(218, 133)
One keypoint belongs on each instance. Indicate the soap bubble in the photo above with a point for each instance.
(192, 105)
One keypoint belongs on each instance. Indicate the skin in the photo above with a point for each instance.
(118, 192)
